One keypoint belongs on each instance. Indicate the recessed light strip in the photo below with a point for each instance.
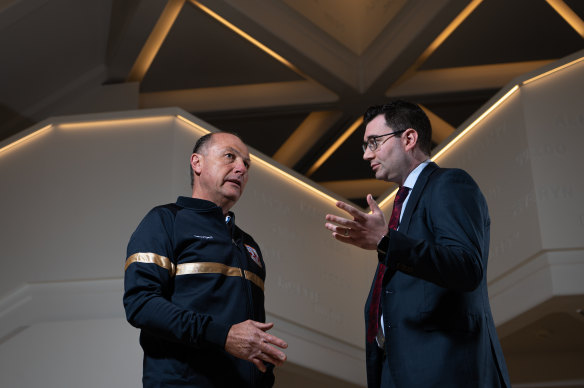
(334, 147)
(461, 17)
(108, 122)
(26, 138)
(293, 179)
(250, 39)
(451, 143)
(268, 165)
(154, 41)
(552, 71)
(347, 133)
(474, 123)
(568, 15)
(200, 129)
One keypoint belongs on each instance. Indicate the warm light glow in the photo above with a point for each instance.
(154, 41)
(441, 38)
(568, 15)
(250, 39)
(474, 123)
(26, 138)
(334, 147)
(386, 200)
(293, 179)
(99, 124)
(552, 71)
(202, 131)
(458, 137)
(257, 159)
(450, 29)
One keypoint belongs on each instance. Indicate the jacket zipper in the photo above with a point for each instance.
(247, 290)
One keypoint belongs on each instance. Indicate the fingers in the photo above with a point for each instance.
(262, 326)
(250, 341)
(340, 233)
(373, 205)
(340, 220)
(357, 214)
(270, 354)
(259, 364)
(271, 339)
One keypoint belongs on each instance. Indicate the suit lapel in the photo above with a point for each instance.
(415, 196)
(410, 206)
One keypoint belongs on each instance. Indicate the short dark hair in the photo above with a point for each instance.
(401, 115)
(201, 145)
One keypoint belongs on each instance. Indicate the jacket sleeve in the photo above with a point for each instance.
(148, 284)
(453, 252)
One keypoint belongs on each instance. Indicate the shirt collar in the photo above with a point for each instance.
(413, 177)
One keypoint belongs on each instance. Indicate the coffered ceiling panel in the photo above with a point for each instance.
(200, 52)
(292, 77)
(500, 31)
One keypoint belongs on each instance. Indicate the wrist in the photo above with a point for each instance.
(383, 244)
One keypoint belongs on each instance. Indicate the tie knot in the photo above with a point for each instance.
(401, 195)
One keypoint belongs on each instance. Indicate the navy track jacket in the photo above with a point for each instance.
(191, 274)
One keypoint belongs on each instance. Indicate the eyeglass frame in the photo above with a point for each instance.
(372, 140)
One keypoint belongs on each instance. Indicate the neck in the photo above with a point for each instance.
(415, 161)
(224, 204)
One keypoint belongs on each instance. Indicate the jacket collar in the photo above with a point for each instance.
(202, 205)
(415, 196)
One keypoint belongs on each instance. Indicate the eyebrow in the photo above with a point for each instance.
(371, 137)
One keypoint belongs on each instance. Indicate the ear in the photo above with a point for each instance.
(197, 163)
(410, 139)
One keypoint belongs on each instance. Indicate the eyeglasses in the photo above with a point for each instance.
(372, 144)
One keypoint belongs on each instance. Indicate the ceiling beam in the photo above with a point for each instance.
(440, 128)
(323, 158)
(568, 15)
(251, 96)
(154, 41)
(358, 188)
(305, 136)
(462, 79)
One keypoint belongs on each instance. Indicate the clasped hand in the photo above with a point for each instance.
(364, 230)
(250, 341)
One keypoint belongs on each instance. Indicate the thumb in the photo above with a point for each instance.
(373, 205)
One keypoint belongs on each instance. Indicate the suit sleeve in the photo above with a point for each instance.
(148, 286)
(453, 252)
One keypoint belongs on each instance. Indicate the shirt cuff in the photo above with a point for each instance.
(216, 334)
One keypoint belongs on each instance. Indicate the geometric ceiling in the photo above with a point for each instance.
(292, 77)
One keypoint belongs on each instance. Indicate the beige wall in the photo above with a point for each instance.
(72, 195)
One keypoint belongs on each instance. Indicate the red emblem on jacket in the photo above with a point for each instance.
(253, 254)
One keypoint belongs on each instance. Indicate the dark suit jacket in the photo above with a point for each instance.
(438, 324)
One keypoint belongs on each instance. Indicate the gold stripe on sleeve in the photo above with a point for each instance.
(255, 279)
(150, 258)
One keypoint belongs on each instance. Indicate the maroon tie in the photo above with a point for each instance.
(373, 326)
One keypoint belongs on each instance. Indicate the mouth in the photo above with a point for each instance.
(234, 181)
(374, 166)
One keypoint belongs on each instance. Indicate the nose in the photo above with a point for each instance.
(368, 154)
(240, 166)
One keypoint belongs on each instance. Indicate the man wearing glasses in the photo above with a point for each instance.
(427, 316)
